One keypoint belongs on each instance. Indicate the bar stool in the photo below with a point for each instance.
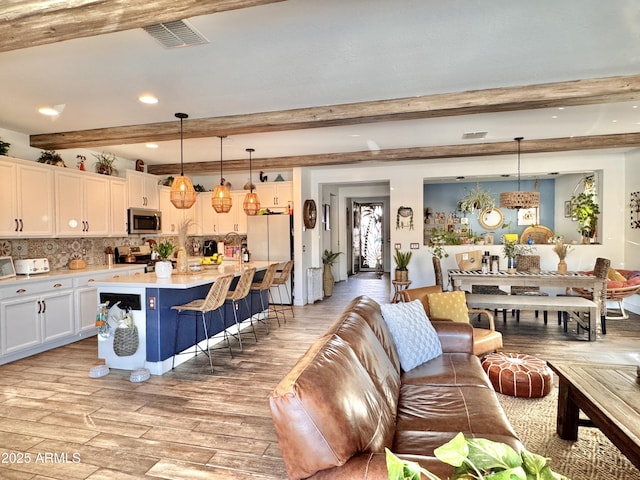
(240, 293)
(259, 287)
(280, 280)
(213, 301)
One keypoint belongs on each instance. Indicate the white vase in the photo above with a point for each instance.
(163, 269)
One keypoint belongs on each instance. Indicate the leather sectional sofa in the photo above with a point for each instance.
(347, 399)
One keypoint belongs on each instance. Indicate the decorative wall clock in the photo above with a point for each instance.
(491, 218)
(309, 213)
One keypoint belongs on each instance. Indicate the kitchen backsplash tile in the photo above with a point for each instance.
(92, 250)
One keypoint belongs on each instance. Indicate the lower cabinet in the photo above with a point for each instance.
(36, 316)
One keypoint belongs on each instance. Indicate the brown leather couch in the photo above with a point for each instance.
(347, 399)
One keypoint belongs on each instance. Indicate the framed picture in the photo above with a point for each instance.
(567, 208)
(528, 216)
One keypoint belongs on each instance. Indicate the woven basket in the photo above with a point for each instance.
(125, 341)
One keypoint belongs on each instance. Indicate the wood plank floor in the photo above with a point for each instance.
(57, 423)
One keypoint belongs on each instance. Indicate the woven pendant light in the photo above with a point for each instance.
(182, 194)
(519, 199)
(221, 197)
(251, 203)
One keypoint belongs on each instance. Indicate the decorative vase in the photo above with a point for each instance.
(182, 264)
(327, 280)
(562, 267)
(164, 269)
(402, 275)
(511, 264)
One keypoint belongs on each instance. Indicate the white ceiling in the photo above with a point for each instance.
(301, 53)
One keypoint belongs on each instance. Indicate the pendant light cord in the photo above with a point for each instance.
(250, 176)
(221, 137)
(518, 139)
(181, 116)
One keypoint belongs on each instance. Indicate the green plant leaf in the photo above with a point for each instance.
(486, 454)
(454, 452)
(398, 469)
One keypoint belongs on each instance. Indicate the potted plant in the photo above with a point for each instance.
(402, 260)
(164, 267)
(476, 199)
(328, 259)
(585, 209)
(105, 162)
(511, 250)
(4, 147)
(51, 157)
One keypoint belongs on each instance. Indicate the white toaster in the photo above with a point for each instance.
(30, 266)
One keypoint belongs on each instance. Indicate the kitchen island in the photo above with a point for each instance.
(150, 300)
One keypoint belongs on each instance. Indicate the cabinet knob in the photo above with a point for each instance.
(20, 290)
(57, 285)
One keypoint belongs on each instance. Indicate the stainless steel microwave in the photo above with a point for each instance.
(143, 220)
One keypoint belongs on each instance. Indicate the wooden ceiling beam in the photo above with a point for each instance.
(29, 23)
(559, 94)
(624, 140)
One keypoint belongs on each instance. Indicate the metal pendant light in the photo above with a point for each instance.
(519, 199)
(221, 197)
(251, 203)
(182, 195)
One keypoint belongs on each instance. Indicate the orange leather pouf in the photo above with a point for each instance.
(518, 374)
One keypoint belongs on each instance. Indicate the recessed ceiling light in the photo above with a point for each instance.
(148, 99)
(635, 106)
(614, 121)
(51, 111)
(560, 108)
(151, 145)
(554, 116)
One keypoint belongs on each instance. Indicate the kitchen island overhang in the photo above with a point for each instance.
(156, 321)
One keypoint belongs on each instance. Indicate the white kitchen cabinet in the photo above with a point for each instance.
(35, 313)
(209, 219)
(143, 190)
(118, 210)
(275, 194)
(235, 220)
(26, 199)
(82, 204)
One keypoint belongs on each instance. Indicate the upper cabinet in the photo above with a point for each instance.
(143, 190)
(26, 199)
(235, 220)
(275, 194)
(82, 204)
(119, 202)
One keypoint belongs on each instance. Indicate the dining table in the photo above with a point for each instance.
(465, 279)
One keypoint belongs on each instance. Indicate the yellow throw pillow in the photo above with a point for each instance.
(451, 305)
(615, 275)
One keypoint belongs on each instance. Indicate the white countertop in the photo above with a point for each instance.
(184, 281)
(67, 273)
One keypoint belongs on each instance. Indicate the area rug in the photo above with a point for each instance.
(592, 457)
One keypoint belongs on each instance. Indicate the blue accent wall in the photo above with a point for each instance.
(444, 197)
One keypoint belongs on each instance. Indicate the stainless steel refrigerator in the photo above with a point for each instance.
(269, 239)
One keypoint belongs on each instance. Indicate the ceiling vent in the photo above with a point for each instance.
(473, 135)
(176, 34)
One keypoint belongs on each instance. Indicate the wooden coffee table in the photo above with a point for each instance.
(609, 395)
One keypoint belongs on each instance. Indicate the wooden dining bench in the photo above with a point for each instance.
(574, 306)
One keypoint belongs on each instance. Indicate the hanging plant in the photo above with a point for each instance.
(476, 199)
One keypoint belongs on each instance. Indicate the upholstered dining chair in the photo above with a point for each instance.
(528, 263)
(200, 307)
(441, 305)
(600, 271)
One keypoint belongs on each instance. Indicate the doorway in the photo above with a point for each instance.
(368, 237)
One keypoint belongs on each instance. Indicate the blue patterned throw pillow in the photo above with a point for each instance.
(416, 339)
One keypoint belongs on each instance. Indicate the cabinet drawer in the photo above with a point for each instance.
(23, 289)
